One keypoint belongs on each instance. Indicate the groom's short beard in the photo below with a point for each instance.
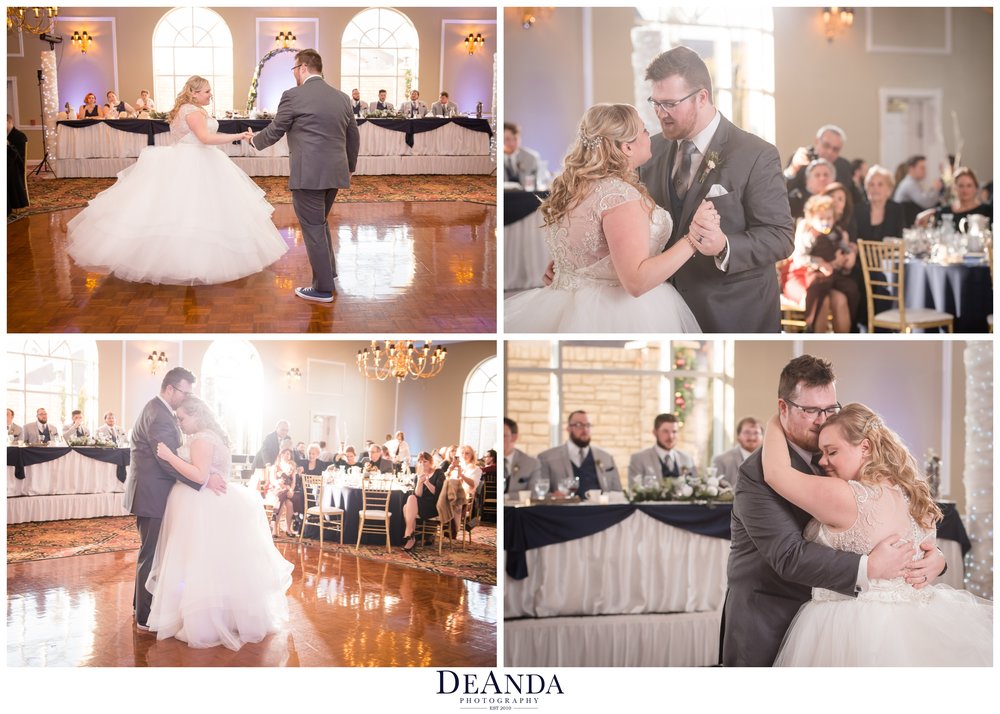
(664, 446)
(581, 442)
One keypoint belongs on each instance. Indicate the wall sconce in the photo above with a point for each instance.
(294, 374)
(82, 40)
(837, 20)
(155, 360)
(474, 42)
(284, 39)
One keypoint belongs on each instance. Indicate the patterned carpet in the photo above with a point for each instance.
(61, 539)
(50, 194)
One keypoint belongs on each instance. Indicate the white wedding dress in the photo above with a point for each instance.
(891, 624)
(586, 295)
(183, 214)
(217, 578)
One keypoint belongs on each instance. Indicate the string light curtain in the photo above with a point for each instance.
(978, 477)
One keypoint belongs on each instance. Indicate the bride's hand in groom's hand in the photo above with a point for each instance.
(920, 573)
(890, 558)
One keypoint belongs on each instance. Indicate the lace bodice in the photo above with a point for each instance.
(221, 457)
(180, 132)
(578, 245)
(882, 511)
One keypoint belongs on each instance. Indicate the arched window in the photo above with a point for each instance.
(380, 50)
(189, 41)
(479, 407)
(232, 383)
(57, 375)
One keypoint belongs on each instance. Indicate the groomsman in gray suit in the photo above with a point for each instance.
(323, 143)
(415, 108)
(594, 467)
(40, 432)
(772, 567)
(444, 107)
(520, 471)
(110, 431)
(358, 105)
(703, 156)
(150, 478)
(663, 459)
(749, 435)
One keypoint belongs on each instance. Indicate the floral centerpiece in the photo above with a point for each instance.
(690, 487)
(385, 114)
(81, 441)
(163, 116)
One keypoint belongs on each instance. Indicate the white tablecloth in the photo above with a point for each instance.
(525, 256)
(73, 486)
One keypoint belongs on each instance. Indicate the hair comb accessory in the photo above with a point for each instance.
(874, 422)
(590, 142)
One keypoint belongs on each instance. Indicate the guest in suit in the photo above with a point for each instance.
(520, 471)
(772, 567)
(110, 431)
(577, 458)
(749, 434)
(415, 108)
(375, 461)
(663, 459)
(76, 429)
(518, 161)
(40, 432)
(323, 143)
(17, 186)
(381, 105)
(13, 430)
(735, 290)
(444, 107)
(151, 478)
(268, 452)
(358, 105)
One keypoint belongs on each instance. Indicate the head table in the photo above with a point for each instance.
(94, 148)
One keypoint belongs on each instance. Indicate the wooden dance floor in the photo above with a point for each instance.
(344, 612)
(424, 267)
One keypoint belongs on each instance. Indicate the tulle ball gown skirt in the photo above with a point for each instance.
(217, 578)
(180, 215)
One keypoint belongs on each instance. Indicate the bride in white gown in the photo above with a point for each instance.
(217, 578)
(606, 238)
(183, 214)
(873, 490)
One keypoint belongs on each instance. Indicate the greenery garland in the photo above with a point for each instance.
(684, 358)
(252, 97)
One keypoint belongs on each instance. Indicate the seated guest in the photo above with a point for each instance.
(17, 185)
(828, 145)
(358, 105)
(271, 445)
(859, 169)
(577, 458)
(460, 486)
(374, 461)
(13, 430)
(444, 107)
(911, 186)
(520, 471)
(76, 429)
(447, 454)
(40, 432)
(843, 209)
(819, 269)
(89, 109)
(422, 502)
(415, 108)
(749, 435)
(966, 202)
(880, 217)
(300, 451)
(283, 486)
(145, 102)
(818, 175)
(348, 459)
(663, 459)
(490, 464)
(110, 431)
(114, 107)
(325, 454)
(518, 160)
(381, 105)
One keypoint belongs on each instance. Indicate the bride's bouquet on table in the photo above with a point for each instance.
(690, 486)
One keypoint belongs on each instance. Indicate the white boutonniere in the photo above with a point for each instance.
(712, 162)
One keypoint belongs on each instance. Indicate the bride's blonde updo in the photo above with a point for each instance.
(194, 84)
(203, 416)
(596, 154)
(890, 460)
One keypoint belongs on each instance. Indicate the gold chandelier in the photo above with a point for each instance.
(401, 360)
(36, 20)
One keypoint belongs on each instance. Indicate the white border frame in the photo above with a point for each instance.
(870, 45)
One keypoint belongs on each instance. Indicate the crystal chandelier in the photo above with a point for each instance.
(36, 20)
(401, 360)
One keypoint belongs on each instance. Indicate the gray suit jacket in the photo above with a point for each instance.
(323, 138)
(106, 432)
(444, 110)
(728, 463)
(525, 472)
(149, 477)
(362, 105)
(407, 108)
(772, 568)
(648, 460)
(386, 107)
(69, 431)
(14, 430)
(556, 466)
(31, 433)
(755, 217)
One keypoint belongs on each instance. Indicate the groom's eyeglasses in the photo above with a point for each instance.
(668, 105)
(815, 411)
(189, 393)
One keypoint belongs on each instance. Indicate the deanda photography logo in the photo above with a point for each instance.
(495, 691)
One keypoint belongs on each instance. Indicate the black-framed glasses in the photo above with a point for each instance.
(815, 411)
(667, 105)
(182, 391)
(295, 67)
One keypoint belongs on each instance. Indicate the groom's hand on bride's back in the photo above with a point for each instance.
(920, 573)
(890, 558)
(216, 483)
(550, 273)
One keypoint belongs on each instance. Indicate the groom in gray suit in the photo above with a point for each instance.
(772, 568)
(702, 155)
(150, 478)
(323, 143)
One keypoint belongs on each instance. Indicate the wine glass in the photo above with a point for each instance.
(540, 489)
(572, 485)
